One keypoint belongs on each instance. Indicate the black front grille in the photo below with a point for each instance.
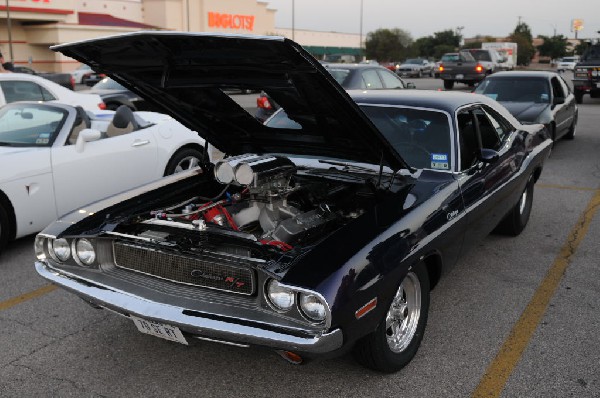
(215, 273)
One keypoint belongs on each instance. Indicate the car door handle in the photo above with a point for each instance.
(140, 142)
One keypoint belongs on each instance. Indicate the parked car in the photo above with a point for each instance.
(566, 63)
(63, 79)
(535, 97)
(114, 95)
(315, 236)
(55, 158)
(586, 77)
(416, 67)
(350, 77)
(24, 87)
(489, 58)
(80, 72)
(461, 67)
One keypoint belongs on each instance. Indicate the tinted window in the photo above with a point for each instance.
(30, 125)
(390, 80)
(481, 55)
(371, 80)
(524, 89)
(450, 58)
(24, 91)
(340, 75)
(421, 137)
(557, 89)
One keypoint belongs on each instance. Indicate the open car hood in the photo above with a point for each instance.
(184, 75)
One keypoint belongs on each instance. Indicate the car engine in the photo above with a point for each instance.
(266, 201)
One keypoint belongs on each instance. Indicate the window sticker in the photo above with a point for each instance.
(439, 161)
(44, 135)
(42, 141)
(492, 96)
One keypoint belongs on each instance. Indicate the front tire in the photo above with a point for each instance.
(515, 221)
(184, 159)
(4, 228)
(448, 84)
(572, 130)
(397, 338)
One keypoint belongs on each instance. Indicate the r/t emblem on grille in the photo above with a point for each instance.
(234, 282)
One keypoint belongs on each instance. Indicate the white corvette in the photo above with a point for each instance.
(55, 158)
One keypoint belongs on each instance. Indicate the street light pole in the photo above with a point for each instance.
(9, 27)
(360, 39)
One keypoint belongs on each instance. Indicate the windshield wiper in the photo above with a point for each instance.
(348, 166)
(6, 143)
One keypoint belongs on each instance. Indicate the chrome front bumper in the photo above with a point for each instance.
(192, 322)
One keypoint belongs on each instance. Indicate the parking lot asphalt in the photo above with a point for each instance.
(516, 317)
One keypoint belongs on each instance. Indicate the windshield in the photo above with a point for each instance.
(515, 89)
(30, 125)
(413, 61)
(569, 59)
(340, 75)
(108, 84)
(420, 136)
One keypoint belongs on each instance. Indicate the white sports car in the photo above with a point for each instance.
(55, 158)
(23, 87)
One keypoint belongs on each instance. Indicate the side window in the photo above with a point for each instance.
(25, 91)
(565, 86)
(371, 80)
(502, 127)
(390, 80)
(557, 90)
(467, 140)
(489, 135)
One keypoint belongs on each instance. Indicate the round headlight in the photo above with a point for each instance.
(224, 172)
(61, 249)
(312, 307)
(279, 296)
(85, 251)
(244, 174)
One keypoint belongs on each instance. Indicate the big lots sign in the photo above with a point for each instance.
(231, 21)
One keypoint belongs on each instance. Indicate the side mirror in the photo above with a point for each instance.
(86, 135)
(410, 85)
(558, 100)
(488, 155)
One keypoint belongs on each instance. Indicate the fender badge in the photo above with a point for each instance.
(365, 309)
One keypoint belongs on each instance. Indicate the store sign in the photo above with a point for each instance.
(230, 21)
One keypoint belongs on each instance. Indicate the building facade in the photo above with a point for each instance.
(29, 27)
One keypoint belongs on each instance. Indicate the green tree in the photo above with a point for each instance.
(438, 44)
(388, 44)
(553, 47)
(522, 36)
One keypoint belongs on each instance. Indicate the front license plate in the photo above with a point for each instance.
(158, 329)
(459, 77)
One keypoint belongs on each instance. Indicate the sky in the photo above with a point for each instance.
(423, 18)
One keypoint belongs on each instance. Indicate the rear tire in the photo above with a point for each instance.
(397, 338)
(515, 221)
(184, 159)
(448, 84)
(578, 96)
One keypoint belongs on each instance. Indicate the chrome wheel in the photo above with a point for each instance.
(403, 316)
(523, 202)
(187, 163)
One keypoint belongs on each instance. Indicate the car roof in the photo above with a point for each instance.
(352, 66)
(524, 73)
(447, 101)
